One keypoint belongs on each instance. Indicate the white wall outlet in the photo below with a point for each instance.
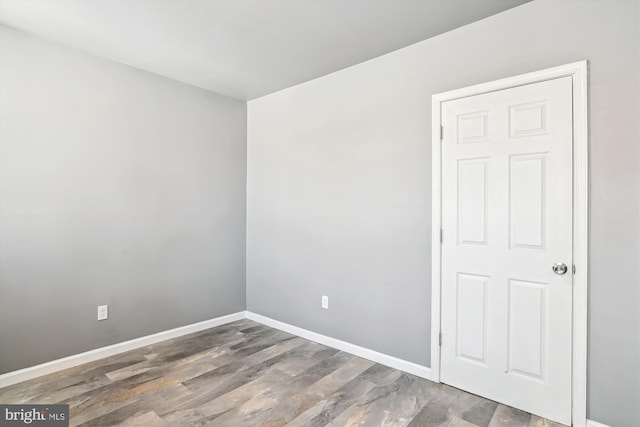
(325, 301)
(103, 312)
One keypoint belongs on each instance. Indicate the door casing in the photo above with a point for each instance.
(578, 72)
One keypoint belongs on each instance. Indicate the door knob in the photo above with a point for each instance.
(559, 268)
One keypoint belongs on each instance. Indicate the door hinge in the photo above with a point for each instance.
(574, 269)
(441, 233)
(440, 339)
(441, 132)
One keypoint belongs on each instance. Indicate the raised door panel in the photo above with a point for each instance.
(528, 201)
(527, 328)
(472, 127)
(472, 201)
(471, 318)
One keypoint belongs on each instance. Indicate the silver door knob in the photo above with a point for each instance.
(559, 268)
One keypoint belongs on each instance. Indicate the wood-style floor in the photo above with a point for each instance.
(247, 374)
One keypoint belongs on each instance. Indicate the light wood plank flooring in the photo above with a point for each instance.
(247, 374)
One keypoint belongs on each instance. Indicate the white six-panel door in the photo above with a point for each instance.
(507, 219)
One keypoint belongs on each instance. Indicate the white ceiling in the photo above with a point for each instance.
(243, 48)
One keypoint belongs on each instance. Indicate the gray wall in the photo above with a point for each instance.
(339, 187)
(118, 187)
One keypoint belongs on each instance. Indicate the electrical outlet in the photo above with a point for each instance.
(325, 301)
(103, 312)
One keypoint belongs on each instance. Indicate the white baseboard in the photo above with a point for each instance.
(383, 359)
(31, 372)
(25, 374)
(591, 423)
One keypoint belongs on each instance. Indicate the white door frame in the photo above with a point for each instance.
(578, 72)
